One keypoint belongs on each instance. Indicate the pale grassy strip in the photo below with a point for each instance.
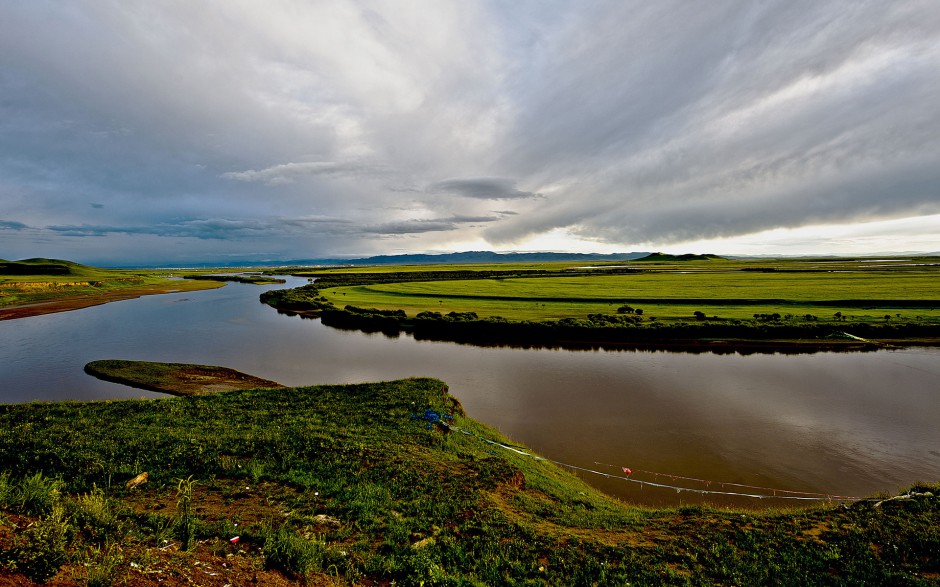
(737, 285)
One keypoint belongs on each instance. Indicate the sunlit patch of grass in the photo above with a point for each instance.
(43, 280)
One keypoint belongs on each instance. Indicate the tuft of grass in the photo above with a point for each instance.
(105, 571)
(186, 523)
(37, 495)
(94, 515)
(294, 555)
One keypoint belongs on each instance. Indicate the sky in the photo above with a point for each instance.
(134, 131)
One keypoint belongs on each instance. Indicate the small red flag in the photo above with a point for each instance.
(627, 471)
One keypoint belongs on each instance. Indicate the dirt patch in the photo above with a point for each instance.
(213, 562)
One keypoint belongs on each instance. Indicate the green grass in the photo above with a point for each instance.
(174, 378)
(56, 279)
(863, 291)
(343, 485)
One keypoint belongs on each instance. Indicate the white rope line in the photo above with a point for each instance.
(810, 496)
(723, 484)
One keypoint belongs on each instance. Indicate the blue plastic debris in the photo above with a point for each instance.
(431, 418)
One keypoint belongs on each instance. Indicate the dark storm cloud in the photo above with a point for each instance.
(418, 226)
(481, 188)
(9, 225)
(215, 228)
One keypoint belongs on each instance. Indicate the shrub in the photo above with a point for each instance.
(39, 552)
(462, 316)
(295, 556)
(429, 316)
(93, 515)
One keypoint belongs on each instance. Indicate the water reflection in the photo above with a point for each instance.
(845, 423)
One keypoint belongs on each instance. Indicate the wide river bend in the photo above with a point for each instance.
(833, 423)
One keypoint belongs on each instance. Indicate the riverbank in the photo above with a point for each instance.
(66, 301)
(778, 305)
(34, 287)
(388, 482)
(601, 331)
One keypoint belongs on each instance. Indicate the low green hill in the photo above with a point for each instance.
(41, 267)
(35, 267)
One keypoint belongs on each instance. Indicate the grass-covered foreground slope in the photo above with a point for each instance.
(358, 485)
(175, 378)
(38, 286)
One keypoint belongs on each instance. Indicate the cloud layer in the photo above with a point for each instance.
(292, 130)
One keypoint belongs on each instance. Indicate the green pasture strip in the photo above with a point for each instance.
(801, 287)
(862, 295)
(543, 309)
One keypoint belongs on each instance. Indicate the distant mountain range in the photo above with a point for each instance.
(470, 257)
(484, 257)
(467, 257)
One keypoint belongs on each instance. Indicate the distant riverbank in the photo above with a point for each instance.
(32, 287)
(66, 301)
(772, 305)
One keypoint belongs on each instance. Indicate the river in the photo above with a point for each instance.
(833, 423)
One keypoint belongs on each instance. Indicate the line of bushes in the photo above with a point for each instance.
(596, 328)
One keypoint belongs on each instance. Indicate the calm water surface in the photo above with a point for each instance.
(842, 423)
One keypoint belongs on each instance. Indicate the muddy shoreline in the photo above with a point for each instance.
(77, 302)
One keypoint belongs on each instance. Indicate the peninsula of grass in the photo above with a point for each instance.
(40, 286)
(254, 279)
(381, 484)
(657, 302)
(175, 378)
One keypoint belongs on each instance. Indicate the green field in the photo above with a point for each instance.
(864, 291)
(36, 281)
(362, 485)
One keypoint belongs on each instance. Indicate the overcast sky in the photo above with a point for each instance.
(181, 131)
